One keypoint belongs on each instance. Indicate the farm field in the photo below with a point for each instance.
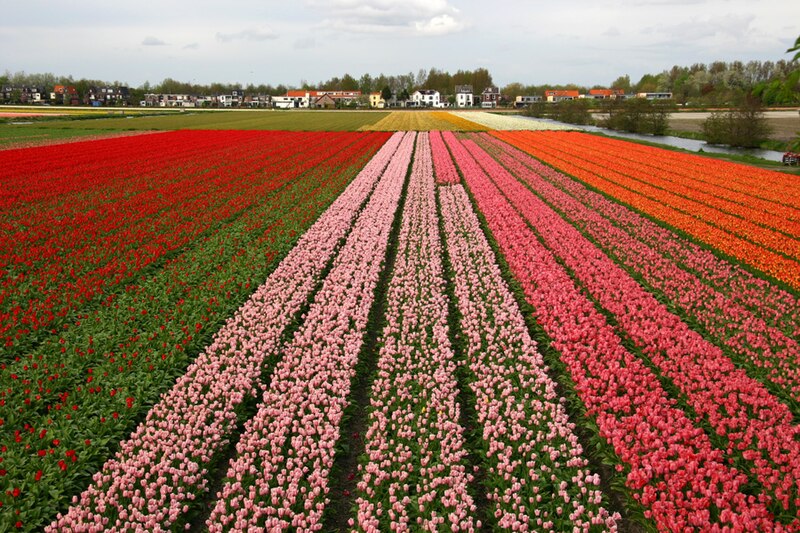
(417, 120)
(450, 330)
(15, 135)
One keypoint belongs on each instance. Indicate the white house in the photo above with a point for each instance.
(426, 98)
(464, 97)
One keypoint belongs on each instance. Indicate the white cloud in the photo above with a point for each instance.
(153, 41)
(191, 46)
(249, 34)
(422, 17)
(439, 25)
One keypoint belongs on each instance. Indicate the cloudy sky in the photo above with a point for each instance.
(263, 41)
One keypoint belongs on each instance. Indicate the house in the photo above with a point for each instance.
(33, 95)
(305, 98)
(525, 101)
(490, 97)
(64, 95)
(426, 98)
(655, 96)
(604, 94)
(7, 93)
(464, 97)
(325, 101)
(169, 100)
(284, 102)
(99, 96)
(205, 101)
(557, 96)
(258, 100)
(376, 101)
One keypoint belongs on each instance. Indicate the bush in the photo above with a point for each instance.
(572, 112)
(744, 126)
(638, 115)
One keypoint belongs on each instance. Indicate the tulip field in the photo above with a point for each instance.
(452, 329)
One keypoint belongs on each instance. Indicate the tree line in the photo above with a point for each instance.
(397, 84)
(715, 84)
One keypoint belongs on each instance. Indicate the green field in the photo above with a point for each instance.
(27, 131)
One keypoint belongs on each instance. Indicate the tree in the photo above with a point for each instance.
(623, 82)
(349, 83)
(365, 84)
(648, 84)
(512, 90)
(572, 112)
(744, 126)
(638, 115)
(386, 94)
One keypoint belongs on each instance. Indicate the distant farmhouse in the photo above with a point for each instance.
(524, 101)
(490, 97)
(426, 98)
(315, 99)
(464, 96)
(376, 101)
(559, 96)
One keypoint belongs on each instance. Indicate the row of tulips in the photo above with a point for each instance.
(769, 229)
(671, 467)
(756, 182)
(502, 122)
(164, 465)
(767, 352)
(767, 250)
(279, 477)
(446, 172)
(80, 391)
(536, 474)
(414, 475)
(129, 224)
(754, 427)
(689, 182)
(774, 306)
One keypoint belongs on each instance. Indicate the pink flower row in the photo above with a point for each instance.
(414, 476)
(279, 478)
(537, 476)
(672, 468)
(754, 423)
(770, 354)
(164, 464)
(446, 172)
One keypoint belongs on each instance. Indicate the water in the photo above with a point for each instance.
(677, 142)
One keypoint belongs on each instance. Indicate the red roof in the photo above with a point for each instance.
(574, 94)
(317, 94)
(605, 92)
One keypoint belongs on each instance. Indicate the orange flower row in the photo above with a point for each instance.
(768, 250)
(727, 187)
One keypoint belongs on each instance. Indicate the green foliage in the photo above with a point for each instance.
(386, 93)
(744, 126)
(538, 110)
(572, 111)
(795, 48)
(638, 115)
